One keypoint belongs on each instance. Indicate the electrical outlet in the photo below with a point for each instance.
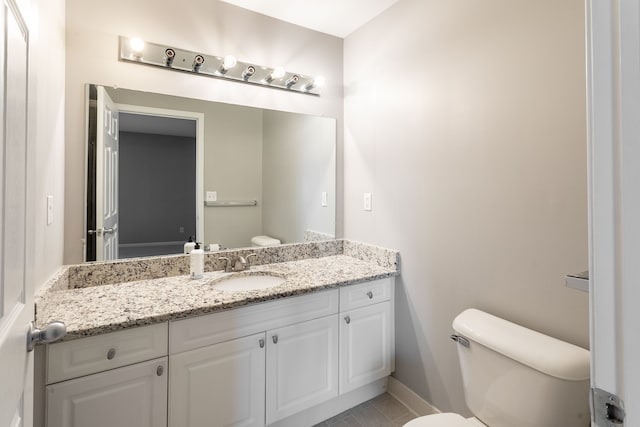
(212, 196)
(181, 229)
(367, 201)
(325, 201)
(49, 210)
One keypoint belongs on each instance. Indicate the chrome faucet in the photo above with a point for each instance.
(237, 263)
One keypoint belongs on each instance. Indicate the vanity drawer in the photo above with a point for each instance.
(196, 332)
(364, 294)
(89, 355)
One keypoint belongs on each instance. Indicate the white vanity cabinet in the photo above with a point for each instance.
(254, 365)
(366, 333)
(219, 385)
(302, 367)
(116, 379)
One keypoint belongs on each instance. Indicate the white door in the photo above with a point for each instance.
(365, 345)
(221, 385)
(302, 366)
(613, 53)
(16, 287)
(133, 396)
(106, 178)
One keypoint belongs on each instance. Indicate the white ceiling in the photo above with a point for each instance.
(336, 17)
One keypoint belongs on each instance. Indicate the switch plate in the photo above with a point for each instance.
(367, 201)
(212, 196)
(49, 210)
(324, 199)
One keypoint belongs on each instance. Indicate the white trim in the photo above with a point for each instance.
(199, 118)
(613, 105)
(410, 399)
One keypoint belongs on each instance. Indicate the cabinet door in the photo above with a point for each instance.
(220, 385)
(365, 346)
(132, 396)
(302, 366)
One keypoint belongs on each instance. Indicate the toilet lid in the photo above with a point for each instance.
(440, 420)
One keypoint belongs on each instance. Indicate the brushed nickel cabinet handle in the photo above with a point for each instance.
(347, 319)
(275, 339)
(370, 295)
(111, 353)
(160, 370)
(261, 342)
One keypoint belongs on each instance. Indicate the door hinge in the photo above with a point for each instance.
(607, 408)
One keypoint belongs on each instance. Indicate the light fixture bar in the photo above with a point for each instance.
(172, 58)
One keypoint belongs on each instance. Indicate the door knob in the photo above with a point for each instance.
(50, 333)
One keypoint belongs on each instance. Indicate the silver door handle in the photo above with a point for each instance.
(97, 232)
(110, 230)
(50, 333)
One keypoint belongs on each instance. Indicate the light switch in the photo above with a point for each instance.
(212, 196)
(324, 199)
(367, 201)
(49, 210)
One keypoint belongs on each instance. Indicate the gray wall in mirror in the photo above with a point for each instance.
(284, 161)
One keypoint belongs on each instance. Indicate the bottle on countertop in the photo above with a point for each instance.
(196, 262)
(189, 246)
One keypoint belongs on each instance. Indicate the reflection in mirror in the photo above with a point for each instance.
(231, 176)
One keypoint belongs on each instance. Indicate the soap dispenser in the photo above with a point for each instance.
(189, 246)
(196, 262)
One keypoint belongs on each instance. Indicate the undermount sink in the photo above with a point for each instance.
(247, 282)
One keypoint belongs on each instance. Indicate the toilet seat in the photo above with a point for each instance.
(448, 419)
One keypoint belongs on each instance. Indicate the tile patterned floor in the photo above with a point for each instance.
(382, 411)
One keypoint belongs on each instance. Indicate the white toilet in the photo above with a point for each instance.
(264, 241)
(516, 377)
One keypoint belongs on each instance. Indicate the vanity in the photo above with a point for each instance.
(184, 353)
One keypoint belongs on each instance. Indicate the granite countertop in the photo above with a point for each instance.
(105, 308)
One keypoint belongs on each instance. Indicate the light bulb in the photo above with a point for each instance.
(137, 45)
(277, 73)
(229, 62)
(315, 83)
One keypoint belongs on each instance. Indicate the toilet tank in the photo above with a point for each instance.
(514, 376)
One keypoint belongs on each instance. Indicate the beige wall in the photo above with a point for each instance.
(466, 120)
(202, 25)
(46, 20)
(299, 155)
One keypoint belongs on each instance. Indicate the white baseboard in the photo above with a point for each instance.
(410, 399)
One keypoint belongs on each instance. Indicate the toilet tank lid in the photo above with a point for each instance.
(538, 351)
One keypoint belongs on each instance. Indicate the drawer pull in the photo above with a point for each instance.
(111, 353)
(347, 319)
(275, 339)
(261, 343)
(370, 295)
(160, 370)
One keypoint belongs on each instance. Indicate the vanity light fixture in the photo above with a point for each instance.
(227, 67)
